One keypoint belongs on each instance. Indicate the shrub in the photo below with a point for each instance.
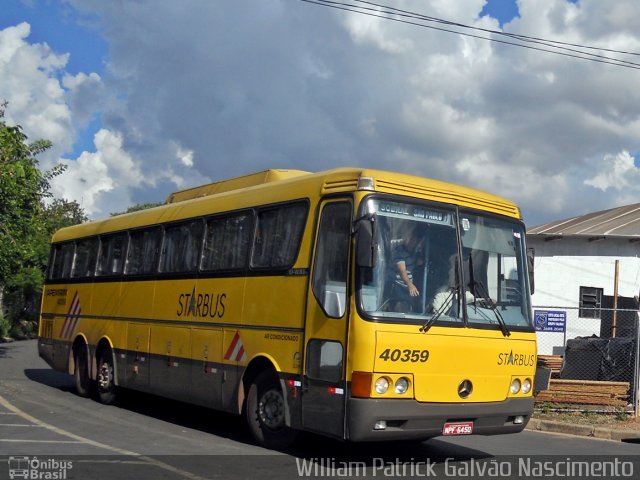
(5, 326)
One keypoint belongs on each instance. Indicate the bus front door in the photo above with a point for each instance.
(324, 385)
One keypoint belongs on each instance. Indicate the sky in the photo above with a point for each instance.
(144, 98)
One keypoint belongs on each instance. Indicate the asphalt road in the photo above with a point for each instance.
(46, 431)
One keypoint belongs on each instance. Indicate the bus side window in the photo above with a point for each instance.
(331, 260)
(278, 235)
(84, 264)
(62, 261)
(181, 250)
(227, 241)
(324, 360)
(111, 256)
(144, 251)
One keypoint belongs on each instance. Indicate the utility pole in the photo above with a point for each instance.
(615, 300)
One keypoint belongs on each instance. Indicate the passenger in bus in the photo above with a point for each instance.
(475, 274)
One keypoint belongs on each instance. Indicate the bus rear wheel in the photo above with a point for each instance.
(265, 412)
(81, 371)
(106, 378)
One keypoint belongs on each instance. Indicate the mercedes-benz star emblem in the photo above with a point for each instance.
(465, 388)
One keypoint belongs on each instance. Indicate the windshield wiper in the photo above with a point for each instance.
(448, 302)
(479, 287)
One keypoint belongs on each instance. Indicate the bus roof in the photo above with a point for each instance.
(235, 183)
(273, 186)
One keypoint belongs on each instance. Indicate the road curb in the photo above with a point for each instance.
(583, 430)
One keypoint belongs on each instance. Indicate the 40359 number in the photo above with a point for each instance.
(397, 355)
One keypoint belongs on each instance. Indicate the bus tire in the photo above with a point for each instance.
(81, 371)
(265, 412)
(106, 387)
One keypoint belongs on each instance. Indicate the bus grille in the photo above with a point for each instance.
(448, 196)
(340, 185)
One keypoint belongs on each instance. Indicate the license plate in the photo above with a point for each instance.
(457, 428)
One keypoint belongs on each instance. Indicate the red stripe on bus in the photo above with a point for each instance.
(232, 347)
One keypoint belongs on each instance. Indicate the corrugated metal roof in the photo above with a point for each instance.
(619, 222)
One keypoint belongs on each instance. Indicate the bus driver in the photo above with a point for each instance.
(407, 257)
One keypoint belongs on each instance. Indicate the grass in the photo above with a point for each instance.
(613, 417)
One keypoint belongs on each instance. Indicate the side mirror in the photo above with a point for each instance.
(531, 255)
(366, 246)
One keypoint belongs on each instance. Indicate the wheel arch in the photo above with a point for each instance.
(77, 343)
(255, 367)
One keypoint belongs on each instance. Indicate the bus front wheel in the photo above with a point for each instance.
(106, 376)
(265, 411)
(81, 371)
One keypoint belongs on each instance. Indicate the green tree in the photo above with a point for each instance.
(61, 213)
(27, 221)
(55, 214)
(137, 207)
(22, 190)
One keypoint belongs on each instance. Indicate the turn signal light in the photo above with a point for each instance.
(361, 384)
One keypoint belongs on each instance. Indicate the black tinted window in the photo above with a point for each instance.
(144, 251)
(112, 251)
(227, 241)
(181, 248)
(86, 255)
(278, 235)
(62, 261)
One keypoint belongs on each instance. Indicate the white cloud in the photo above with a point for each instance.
(365, 30)
(516, 181)
(51, 103)
(103, 181)
(28, 82)
(197, 92)
(185, 156)
(93, 175)
(617, 172)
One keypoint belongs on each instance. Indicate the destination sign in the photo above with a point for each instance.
(415, 212)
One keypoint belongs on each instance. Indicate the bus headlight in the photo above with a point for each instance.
(402, 385)
(515, 386)
(382, 385)
(526, 386)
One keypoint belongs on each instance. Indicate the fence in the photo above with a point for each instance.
(593, 355)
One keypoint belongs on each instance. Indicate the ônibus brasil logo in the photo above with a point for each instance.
(36, 469)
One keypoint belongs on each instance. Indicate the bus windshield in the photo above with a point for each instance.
(417, 275)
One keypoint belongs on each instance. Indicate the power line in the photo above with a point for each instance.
(550, 43)
(497, 32)
(384, 14)
(407, 17)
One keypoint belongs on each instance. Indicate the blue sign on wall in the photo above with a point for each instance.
(550, 320)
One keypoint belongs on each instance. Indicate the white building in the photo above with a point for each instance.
(575, 265)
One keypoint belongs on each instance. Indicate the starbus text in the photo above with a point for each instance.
(201, 305)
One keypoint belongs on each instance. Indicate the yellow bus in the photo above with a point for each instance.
(355, 303)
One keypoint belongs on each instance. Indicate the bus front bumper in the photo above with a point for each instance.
(409, 419)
